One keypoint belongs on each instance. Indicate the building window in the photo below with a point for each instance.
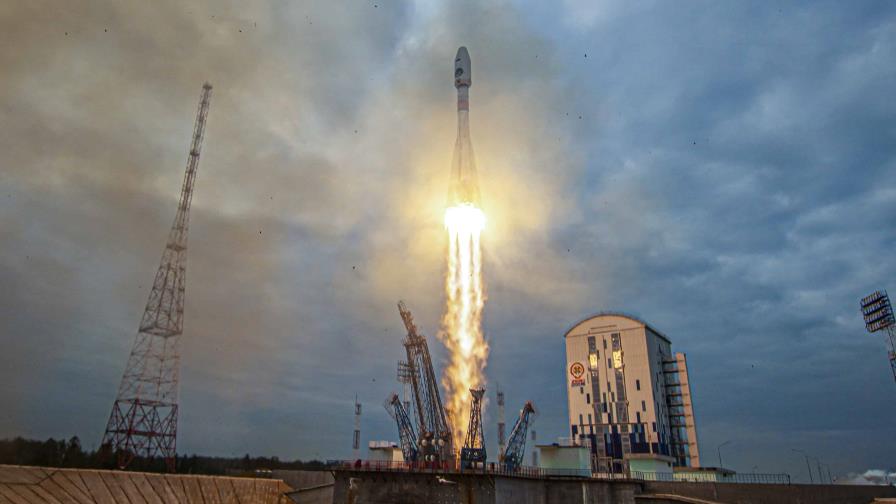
(605, 343)
(605, 397)
(643, 406)
(609, 363)
(581, 390)
(613, 396)
(654, 426)
(638, 384)
(589, 419)
(587, 398)
(592, 345)
(638, 416)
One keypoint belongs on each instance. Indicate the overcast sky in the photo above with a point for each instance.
(723, 170)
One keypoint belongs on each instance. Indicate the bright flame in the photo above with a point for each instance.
(463, 314)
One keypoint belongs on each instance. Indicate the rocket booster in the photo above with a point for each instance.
(464, 184)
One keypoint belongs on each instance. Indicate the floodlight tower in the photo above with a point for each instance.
(878, 315)
(143, 422)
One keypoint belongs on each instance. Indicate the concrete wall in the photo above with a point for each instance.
(520, 491)
(589, 492)
(749, 493)
(366, 487)
(360, 487)
(314, 495)
(303, 479)
(311, 487)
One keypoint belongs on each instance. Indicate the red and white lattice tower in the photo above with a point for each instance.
(143, 422)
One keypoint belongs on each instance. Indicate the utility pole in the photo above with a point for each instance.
(143, 422)
(719, 450)
(808, 467)
(818, 464)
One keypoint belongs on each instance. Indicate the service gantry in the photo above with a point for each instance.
(435, 439)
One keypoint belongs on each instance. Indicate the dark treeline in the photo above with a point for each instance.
(70, 453)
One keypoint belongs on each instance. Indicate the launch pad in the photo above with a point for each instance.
(400, 487)
(428, 445)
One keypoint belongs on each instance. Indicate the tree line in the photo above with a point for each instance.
(70, 453)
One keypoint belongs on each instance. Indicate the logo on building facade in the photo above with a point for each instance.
(577, 370)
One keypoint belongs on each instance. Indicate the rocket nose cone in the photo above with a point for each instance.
(462, 69)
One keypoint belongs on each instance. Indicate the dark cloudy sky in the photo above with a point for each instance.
(724, 170)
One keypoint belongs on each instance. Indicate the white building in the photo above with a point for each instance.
(384, 451)
(565, 460)
(628, 393)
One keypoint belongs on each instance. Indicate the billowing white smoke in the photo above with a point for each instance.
(871, 477)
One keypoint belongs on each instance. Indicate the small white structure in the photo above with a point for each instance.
(384, 451)
(648, 465)
(565, 460)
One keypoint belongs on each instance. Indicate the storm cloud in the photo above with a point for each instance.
(724, 171)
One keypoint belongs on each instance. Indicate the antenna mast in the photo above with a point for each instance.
(143, 422)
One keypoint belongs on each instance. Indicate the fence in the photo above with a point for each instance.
(451, 467)
(713, 477)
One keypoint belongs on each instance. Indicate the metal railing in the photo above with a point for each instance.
(451, 467)
(494, 469)
(711, 477)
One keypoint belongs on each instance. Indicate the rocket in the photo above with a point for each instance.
(464, 183)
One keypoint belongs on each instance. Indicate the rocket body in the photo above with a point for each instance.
(464, 184)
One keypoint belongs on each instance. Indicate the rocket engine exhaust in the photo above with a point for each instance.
(464, 288)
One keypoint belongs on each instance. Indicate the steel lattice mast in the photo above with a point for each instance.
(436, 442)
(143, 422)
(473, 451)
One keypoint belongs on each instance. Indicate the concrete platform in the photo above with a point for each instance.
(660, 492)
(375, 486)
